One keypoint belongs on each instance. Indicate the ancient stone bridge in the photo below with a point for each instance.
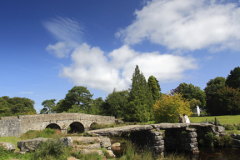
(178, 136)
(79, 122)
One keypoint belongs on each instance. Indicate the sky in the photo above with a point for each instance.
(49, 46)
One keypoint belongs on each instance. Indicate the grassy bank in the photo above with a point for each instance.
(228, 119)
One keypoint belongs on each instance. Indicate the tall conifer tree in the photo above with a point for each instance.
(154, 88)
(140, 103)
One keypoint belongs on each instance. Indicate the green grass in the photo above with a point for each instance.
(228, 119)
(12, 140)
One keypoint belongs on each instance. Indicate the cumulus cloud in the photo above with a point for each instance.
(68, 31)
(186, 25)
(92, 68)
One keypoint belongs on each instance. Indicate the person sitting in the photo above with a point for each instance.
(186, 118)
(181, 119)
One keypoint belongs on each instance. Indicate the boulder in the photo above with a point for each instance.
(111, 154)
(105, 142)
(67, 141)
(90, 146)
(220, 129)
(8, 146)
(91, 151)
(116, 145)
(29, 144)
(86, 140)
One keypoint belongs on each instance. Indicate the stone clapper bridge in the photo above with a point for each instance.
(178, 136)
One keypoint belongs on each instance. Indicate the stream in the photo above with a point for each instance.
(205, 153)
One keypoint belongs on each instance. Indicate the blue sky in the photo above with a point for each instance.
(47, 47)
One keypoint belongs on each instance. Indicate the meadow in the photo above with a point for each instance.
(223, 120)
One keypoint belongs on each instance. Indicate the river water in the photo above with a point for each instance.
(205, 153)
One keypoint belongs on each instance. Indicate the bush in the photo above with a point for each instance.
(46, 133)
(168, 108)
(88, 156)
(51, 149)
(229, 127)
(4, 154)
(97, 126)
(209, 140)
(224, 141)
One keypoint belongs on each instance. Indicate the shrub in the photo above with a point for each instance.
(50, 149)
(168, 108)
(94, 156)
(208, 140)
(97, 126)
(224, 141)
(229, 127)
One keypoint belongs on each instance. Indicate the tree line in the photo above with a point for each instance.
(143, 101)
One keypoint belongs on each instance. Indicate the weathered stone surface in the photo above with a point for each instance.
(238, 136)
(158, 149)
(192, 135)
(236, 143)
(110, 152)
(16, 125)
(159, 143)
(86, 140)
(105, 142)
(89, 146)
(30, 144)
(67, 141)
(116, 144)
(91, 151)
(220, 129)
(120, 130)
(158, 138)
(8, 146)
(233, 135)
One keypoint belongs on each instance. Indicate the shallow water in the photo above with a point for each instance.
(205, 153)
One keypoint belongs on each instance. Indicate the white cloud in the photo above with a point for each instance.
(69, 32)
(186, 25)
(92, 68)
(60, 49)
(26, 92)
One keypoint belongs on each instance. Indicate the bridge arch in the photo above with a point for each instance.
(53, 126)
(93, 126)
(76, 127)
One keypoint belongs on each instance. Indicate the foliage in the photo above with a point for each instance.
(52, 148)
(115, 103)
(224, 141)
(233, 80)
(154, 88)
(16, 106)
(80, 156)
(4, 154)
(226, 101)
(140, 106)
(96, 106)
(189, 92)
(209, 140)
(48, 106)
(167, 109)
(193, 103)
(46, 133)
(97, 126)
(229, 127)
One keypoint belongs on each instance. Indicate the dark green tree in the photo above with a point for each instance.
(189, 92)
(233, 80)
(140, 106)
(115, 103)
(96, 106)
(80, 96)
(211, 90)
(154, 88)
(48, 106)
(226, 101)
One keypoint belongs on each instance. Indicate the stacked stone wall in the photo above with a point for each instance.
(40, 122)
(149, 139)
(10, 127)
(181, 140)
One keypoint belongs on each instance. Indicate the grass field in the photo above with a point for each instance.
(229, 119)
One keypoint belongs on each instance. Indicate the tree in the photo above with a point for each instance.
(154, 88)
(211, 90)
(48, 106)
(140, 106)
(96, 106)
(168, 108)
(189, 92)
(80, 96)
(226, 101)
(233, 80)
(115, 103)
